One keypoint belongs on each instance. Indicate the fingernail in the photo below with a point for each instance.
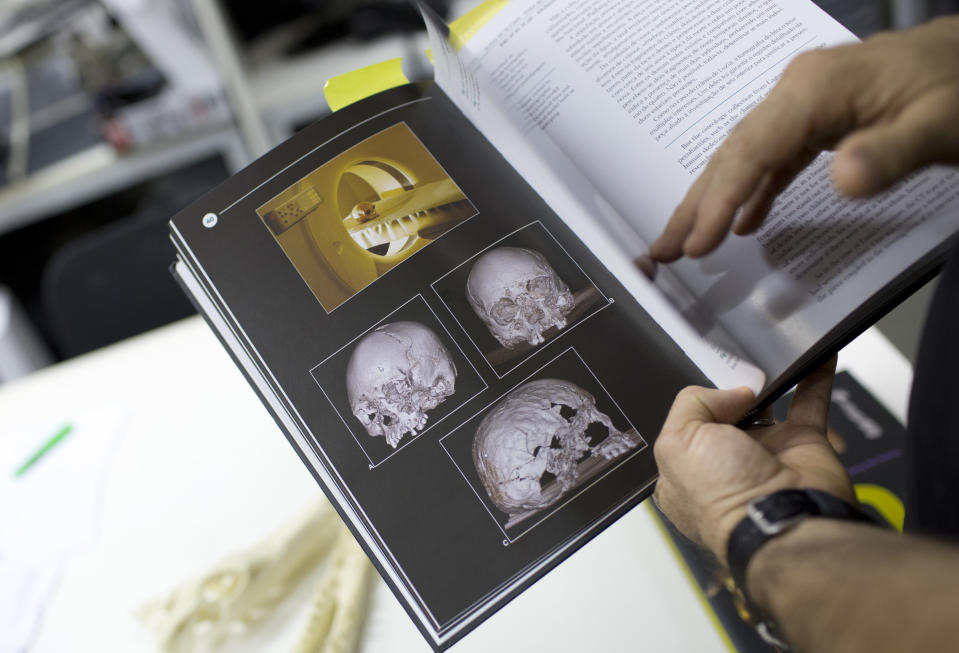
(647, 266)
(740, 228)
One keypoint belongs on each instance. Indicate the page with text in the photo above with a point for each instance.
(639, 95)
(557, 176)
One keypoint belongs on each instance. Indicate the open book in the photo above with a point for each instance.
(435, 289)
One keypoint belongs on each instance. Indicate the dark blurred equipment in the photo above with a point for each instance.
(75, 74)
(119, 245)
(331, 19)
(861, 18)
(108, 109)
(45, 115)
(866, 17)
(111, 284)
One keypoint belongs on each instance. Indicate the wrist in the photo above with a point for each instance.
(772, 517)
(774, 524)
(735, 511)
(767, 567)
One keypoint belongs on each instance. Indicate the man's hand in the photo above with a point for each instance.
(888, 105)
(709, 469)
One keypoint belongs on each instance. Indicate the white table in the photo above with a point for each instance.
(202, 471)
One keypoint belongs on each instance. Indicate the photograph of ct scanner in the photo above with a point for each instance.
(348, 222)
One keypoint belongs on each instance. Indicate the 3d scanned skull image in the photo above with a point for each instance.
(518, 295)
(397, 372)
(538, 432)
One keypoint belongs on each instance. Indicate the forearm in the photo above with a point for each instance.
(839, 586)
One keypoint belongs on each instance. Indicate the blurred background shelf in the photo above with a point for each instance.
(289, 92)
(101, 170)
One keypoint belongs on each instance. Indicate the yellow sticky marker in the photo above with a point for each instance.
(355, 85)
(345, 89)
(466, 26)
(885, 502)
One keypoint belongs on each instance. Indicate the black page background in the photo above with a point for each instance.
(425, 513)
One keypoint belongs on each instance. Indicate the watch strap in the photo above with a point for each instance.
(771, 515)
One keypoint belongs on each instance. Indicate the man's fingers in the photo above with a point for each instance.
(669, 246)
(810, 405)
(756, 149)
(757, 207)
(703, 218)
(877, 157)
(695, 405)
(737, 176)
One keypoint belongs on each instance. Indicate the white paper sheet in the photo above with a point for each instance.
(48, 509)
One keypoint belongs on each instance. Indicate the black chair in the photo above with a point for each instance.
(112, 283)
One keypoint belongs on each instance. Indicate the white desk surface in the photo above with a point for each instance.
(202, 471)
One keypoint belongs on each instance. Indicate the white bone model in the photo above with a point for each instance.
(340, 603)
(518, 295)
(397, 372)
(539, 431)
(245, 588)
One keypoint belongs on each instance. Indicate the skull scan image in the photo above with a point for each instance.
(396, 373)
(518, 295)
(540, 441)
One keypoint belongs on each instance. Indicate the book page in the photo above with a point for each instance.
(640, 94)
(558, 178)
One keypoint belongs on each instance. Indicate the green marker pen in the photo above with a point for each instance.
(43, 450)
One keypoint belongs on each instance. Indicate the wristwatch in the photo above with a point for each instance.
(775, 514)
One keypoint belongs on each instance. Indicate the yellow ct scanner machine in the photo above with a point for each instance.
(355, 217)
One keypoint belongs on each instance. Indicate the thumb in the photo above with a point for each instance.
(873, 159)
(810, 404)
(696, 405)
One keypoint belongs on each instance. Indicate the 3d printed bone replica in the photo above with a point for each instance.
(246, 589)
(537, 432)
(396, 373)
(518, 295)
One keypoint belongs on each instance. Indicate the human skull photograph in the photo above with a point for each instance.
(542, 441)
(517, 295)
(397, 380)
(353, 219)
(396, 373)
